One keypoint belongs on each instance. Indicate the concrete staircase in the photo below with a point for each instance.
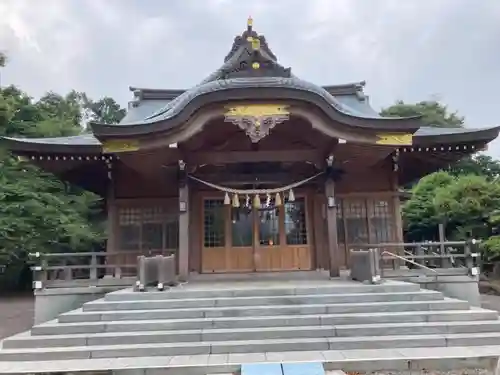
(206, 318)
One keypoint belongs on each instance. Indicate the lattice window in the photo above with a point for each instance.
(214, 221)
(381, 221)
(295, 222)
(130, 228)
(147, 228)
(356, 221)
(269, 226)
(242, 228)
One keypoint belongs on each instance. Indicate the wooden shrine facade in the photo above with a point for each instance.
(253, 169)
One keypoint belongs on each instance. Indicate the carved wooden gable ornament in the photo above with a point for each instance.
(257, 119)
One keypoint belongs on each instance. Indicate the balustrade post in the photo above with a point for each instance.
(93, 267)
(469, 260)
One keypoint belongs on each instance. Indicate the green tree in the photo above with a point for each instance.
(433, 113)
(38, 212)
(479, 165)
(468, 205)
(105, 110)
(421, 217)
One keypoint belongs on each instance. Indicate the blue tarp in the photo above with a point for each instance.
(305, 368)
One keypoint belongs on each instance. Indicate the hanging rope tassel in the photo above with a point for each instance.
(291, 196)
(236, 201)
(256, 201)
(227, 200)
(277, 200)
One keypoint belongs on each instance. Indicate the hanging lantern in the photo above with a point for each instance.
(247, 201)
(227, 200)
(277, 200)
(256, 201)
(291, 196)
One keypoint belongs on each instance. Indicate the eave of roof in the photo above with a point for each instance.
(89, 144)
(432, 135)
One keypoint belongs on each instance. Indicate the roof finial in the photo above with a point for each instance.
(250, 23)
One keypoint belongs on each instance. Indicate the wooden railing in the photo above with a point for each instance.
(63, 270)
(432, 258)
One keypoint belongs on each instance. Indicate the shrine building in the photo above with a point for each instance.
(253, 169)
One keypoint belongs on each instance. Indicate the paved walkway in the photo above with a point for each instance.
(16, 314)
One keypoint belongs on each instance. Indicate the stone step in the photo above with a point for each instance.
(398, 306)
(186, 293)
(55, 328)
(320, 299)
(404, 360)
(25, 340)
(249, 346)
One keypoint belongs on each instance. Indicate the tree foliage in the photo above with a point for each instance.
(433, 113)
(39, 212)
(465, 196)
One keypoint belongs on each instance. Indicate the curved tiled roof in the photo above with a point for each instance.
(238, 79)
(250, 71)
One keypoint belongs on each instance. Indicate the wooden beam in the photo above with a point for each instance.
(231, 157)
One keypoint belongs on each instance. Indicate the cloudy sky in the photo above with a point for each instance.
(411, 50)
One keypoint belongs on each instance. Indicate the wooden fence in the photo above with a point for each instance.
(433, 258)
(64, 270)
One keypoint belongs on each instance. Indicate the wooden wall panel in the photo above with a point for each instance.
(132, 184)
(373, 179)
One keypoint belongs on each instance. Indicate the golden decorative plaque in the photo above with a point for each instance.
(120, 146)
(395, 139)
(257, 119)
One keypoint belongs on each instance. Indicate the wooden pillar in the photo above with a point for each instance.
(112, 221)
(183, 254)
(331, 224)
(397, 212)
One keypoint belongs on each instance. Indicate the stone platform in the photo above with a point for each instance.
(215, 326)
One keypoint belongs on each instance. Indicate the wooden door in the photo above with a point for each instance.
(249, 240)
(228, 238)
(240, 252)
(267, 234)
(282, 238)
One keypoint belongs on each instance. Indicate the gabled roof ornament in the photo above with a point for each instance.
(250, 56)
(249, 24)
